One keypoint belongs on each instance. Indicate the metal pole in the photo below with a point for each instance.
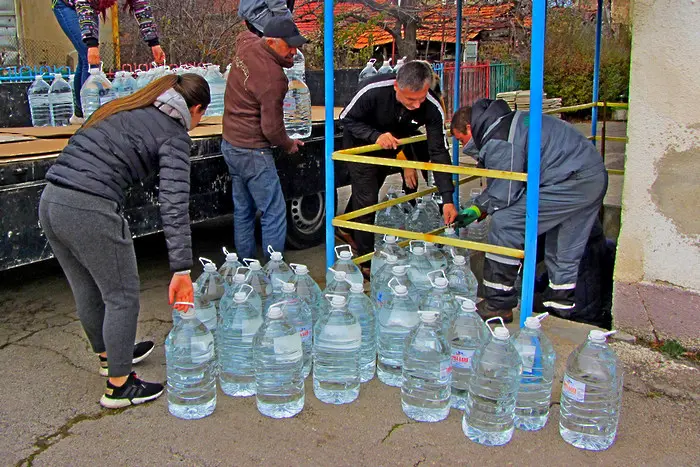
(455, 87)
(115, 37)
(329, 128)
(533, 158)
(596, 68)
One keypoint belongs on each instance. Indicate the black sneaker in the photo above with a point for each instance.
(486, 311)
(141, 351)
(133, 391)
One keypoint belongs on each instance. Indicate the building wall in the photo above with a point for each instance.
(657, 275)
(43, 41)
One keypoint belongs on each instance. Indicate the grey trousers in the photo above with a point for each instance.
(567, 212)
(92, 243)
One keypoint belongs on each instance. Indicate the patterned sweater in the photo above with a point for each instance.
(89, 19)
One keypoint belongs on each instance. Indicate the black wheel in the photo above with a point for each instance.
(306, 221)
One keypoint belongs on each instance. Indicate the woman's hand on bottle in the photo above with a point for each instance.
(158, 54)
(93, 56)
(181, 290)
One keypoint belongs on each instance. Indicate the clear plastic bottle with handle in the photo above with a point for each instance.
(337, 344)
(462, 279)
(489, 414)
(535, 390)
(440, 299)
(209, 285)
(452, 251)
(123, 85)
(307, 288)
(217, 88)
(278, 360)
(435, 256)
(60, 101)
(389, 246)
(345, 264)
(299, 315)
(420, 266)
(338, 285)
(386, 68)
(191, 367)
(259, 281)
(230, 267)
(39, 107)
(468, 333)
(234, 344)
(277, 270)
(396, 320)
(297, 107)
(368, 71)
(427, 371)
(238, 281)
(392, 217)
(96, 92)
(382, 293)
(420, 218)
(591, 395)
(361, 307)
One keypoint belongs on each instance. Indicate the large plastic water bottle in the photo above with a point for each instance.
(432, 207)
(299, 66)
(234, 344)
(337, 342)
(383, 275)
(419, 219)
(277, 270)
(60, 101)
(381, 291)
(420, 266)
(217, 87)
(396, 320)
(39, 108)
(230, 267)
(399, 63)
(535, 391)
(259, 281)
(467, 334)
(392, 217)
(435, 256)
(297, 107)
(191, 368)
(209, 285)
(440, 299)
(488, 416)
(452, 251)
(427, 371)
(386, 68)
(345, 264)
(388, 247)
(361, 307)
(143, 78)
(278, 360)
(123, 85)
(591, 396)
(238, 281)
(96, 92)
(299, 315)
(368, 71)
(461, 278)
(307, 288)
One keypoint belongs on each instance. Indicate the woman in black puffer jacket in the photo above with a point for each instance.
(80, 211)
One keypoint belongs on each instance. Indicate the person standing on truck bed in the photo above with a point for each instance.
(385, 109)
(79, 20)
(253, 124)
(572, 186)
(81, 214)
(257, 13)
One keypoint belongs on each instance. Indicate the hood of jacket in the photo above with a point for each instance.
(172, 104)
(486, 112)
(249, 43)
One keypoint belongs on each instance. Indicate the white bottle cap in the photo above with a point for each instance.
(449, 231)
(210, 267)
(239, 297)
(232, 257)
(441, 283)
(419, 250)
(401, 290)
(389, 239)
(399, 270)
(501, 333)
(429, 244)
(467, 304)
(345, 255)
(428, 316)
(287, 287)
(340, 276)
(338, 301)
(95, 71)
(532, 323)
(274, 312)
(300, 269)
(459, 260)
(392, 259)
(356, 287)
(276, 256)
(239, 279)
(599, 336)
(254, 265)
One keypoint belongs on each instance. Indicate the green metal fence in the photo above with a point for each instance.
(503, 78)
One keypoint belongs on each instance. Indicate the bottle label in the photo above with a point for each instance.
(527, 354)
(250, 327)
(288, 345)
(201, 348)
(343, 337)
(445, 368)
(462, 358)
(290, 104)
(575, 390)
(305, 332)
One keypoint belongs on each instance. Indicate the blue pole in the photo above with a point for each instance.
(533, 157)
(455, 101)
(596, 68)
(329, 128)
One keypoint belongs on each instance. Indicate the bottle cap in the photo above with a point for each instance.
(467, 304)
(337, 301)
(239, 279)
(189, 313)
(274, 312)
(230, 256)
(449, 231)
(532, 323)
(401, 290)
(428, 316)
(501, 333)
(253, 264)
(345, 255)
(389, 239)
(390, 259)
(288, 287)
(399, 270)
(356, 287)
(299, 269)
(459, 260)
(239, 297)
(419, 251)
(599, 336)
(276, 256)
(441, 282)
(340, 276)
(208, 264)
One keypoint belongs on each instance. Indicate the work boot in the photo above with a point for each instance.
(486, 311)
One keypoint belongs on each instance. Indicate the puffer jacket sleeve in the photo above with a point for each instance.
(174, 197)
(498, 154)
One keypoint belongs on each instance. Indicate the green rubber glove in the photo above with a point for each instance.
(467, 216)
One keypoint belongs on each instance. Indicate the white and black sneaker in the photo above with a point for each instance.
(141, 351)
(133, 391)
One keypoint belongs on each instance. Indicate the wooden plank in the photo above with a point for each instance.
(32, 148)
(44, 131)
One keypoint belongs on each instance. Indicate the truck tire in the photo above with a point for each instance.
(306, 221)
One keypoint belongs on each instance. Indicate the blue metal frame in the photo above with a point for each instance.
(596, 69)
(455, 102)
(329, 87)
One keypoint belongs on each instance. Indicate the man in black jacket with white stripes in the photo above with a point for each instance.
(386, 109)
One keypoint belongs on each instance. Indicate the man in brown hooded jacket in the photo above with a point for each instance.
(252, 125)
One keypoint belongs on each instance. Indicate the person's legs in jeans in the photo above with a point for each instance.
(68, 20)
(244, 210)
(264, 186)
